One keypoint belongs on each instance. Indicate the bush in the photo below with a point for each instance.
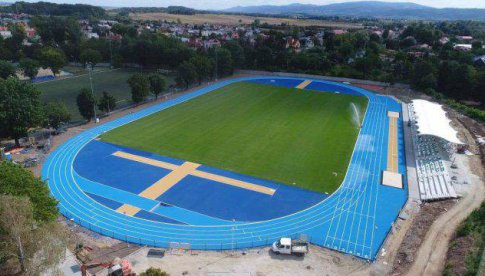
(154, 272)
(17, 181)
(474, 228)
(471, 112)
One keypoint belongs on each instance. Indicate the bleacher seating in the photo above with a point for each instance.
(433, 177)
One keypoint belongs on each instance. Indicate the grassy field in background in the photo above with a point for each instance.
(111, 81)
(232, 19)
(296, 137)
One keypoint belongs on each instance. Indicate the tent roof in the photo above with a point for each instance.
(431, 119)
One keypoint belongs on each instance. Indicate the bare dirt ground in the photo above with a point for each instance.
(421, 223)
(229, 19)
(252, 262)
(431, 256)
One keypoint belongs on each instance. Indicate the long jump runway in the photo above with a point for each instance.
(179, 202)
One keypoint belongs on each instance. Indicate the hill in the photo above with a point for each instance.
(368, 9)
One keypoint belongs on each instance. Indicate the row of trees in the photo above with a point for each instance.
(141, 86)
(370, 56)
(46, 8)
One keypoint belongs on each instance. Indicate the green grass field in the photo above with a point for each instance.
(297, 137)
(111, 81)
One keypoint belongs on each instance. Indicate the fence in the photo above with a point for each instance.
(184, 245)
(327, 78)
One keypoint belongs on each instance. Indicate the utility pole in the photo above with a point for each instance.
(90, 69)
(110, 54)
(217, 65)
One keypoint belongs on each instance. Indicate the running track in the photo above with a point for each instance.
(355, 219)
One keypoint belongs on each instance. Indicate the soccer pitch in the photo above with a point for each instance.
(112, 81)
(298, 137)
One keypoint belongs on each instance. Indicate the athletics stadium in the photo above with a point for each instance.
(239, 164)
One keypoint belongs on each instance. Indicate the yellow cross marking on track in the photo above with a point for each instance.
(164, 184)
(177, 174)
(304, 84)
(128, 209)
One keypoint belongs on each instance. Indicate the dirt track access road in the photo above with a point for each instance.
(430, 259)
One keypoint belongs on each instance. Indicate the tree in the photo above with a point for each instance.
(140, 87)
(203, 66)
(86, 104)
(186, 74)
(30, 67)
(52, 58)
(477, 45)
(154, 272)
(107, 102)
(237, 53)
(225, 65)
(91, 57)
(17, 181)
(464, 77)
(480, 87)
(424, 75)
(14, 43)
(6, 69)
(456, 80)
(56, 113)
(157, 84)
(29, 246)
(20, 108)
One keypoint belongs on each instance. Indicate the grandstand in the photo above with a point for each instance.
(435, 143)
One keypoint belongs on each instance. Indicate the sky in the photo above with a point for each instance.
(222, 4)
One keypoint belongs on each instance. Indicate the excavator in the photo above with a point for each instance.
(117, 267)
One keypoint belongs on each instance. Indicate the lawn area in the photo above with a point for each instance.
(283, 134)
(111, 81)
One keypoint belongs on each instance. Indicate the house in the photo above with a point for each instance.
(421, 47)
(416, 54)
(90, 35)
(114, 37)
(307, 42)
(463, 47)
(195, 42)
(378, 32)
(338, 32)
(211, 43)
(30, 32)
(464, 38)
(292, 43)
(6, 34)
(444, 40)
(479, 61)
(392, 34)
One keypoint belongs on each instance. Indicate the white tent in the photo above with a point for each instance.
(431, 119)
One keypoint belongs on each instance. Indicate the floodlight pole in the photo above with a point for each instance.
(215, 49)
(110, 54)
(90, 69)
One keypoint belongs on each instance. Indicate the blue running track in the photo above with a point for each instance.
(355, 219)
